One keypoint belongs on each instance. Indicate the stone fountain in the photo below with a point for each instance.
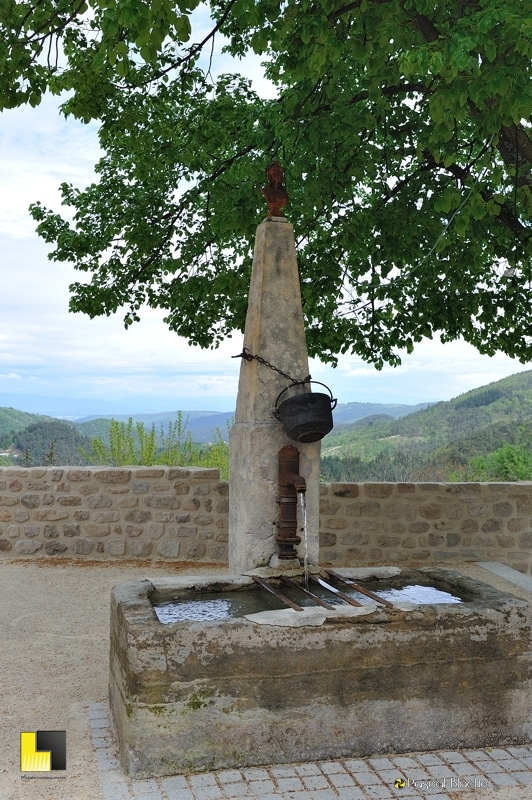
(288, 685)
(275, 333)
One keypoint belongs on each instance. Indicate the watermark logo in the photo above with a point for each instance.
(42, 751)
(455, 782)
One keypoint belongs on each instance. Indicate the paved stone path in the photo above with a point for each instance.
(444, 775)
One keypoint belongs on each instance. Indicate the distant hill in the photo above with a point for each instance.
(13, 420)
(203, 425)
(441, 437)
(37, 440)
(351, 412)
(75, 408)
(370, 441)
(29, 437)
(195, 417)
(485, 440)
(21, 431)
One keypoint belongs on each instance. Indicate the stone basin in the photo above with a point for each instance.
(196, 696)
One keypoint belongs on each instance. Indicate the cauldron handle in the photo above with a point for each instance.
(276, 409)
(334, 401)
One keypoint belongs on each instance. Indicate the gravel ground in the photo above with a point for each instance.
(54, 623)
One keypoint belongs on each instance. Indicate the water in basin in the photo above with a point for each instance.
(206, 606)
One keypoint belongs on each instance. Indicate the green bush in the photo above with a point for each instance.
(177, 450)
(508, 463)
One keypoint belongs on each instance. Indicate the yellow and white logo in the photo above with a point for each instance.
(42, 751)
(30, 759)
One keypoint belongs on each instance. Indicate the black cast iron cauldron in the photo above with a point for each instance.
(306, 417)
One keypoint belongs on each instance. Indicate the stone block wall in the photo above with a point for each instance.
(394, 523)
(156, 513)
(175, 514)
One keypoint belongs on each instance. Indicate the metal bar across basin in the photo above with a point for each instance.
(277, 593)
(334, 590)
(314, 597)
(360, 589)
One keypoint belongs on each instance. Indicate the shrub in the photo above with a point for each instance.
(177, 450)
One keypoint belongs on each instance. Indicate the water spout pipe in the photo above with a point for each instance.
(298, 482)
(290, 483)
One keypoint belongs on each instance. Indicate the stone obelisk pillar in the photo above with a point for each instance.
(275, 331)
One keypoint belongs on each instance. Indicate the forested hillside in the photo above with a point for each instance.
(204, 426)
(46, 441)
(484, 434)
(448, 440)
(13, 423)
(13, 420)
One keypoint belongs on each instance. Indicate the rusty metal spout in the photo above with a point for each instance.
(290, 482)
(299, 483)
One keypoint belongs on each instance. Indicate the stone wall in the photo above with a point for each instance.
(393, 523)
(175, 514)
(157, 513)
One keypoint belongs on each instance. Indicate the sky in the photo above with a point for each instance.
(65, 364)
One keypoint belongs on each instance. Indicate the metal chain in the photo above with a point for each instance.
(247, 356)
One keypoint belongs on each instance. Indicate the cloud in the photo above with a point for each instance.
(39, 150)
(434, 371)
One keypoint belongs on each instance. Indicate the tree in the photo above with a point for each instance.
(510, 462)
(34, 37)
(26, 458)
(404, 128)
(49, 460)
